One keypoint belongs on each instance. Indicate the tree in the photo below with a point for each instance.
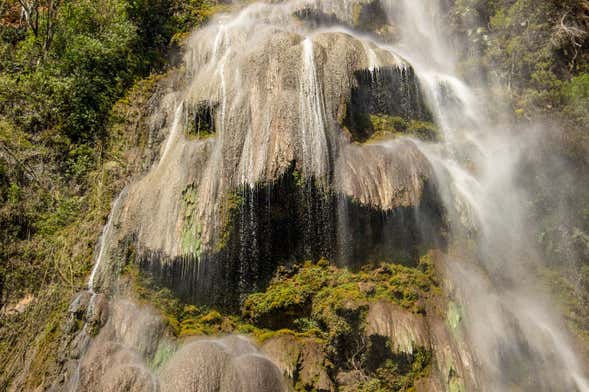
(39, 16)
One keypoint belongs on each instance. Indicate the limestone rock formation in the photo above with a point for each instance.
(265, 107)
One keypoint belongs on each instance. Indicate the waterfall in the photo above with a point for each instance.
(507, 320)
(312, 113)
(293, 106)
(105, 240)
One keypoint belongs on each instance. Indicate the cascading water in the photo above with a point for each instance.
(315, 151)
(509, 323)
(289, 167)
(105, 240)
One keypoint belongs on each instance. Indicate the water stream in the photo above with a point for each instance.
(510, 324)
(274, 85)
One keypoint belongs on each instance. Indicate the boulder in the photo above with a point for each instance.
(303, 356)
(198, 366)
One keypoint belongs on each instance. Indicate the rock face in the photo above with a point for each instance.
(133, 352)
(258, 165)
(195, 367)
(263, 162)
(121, 358)
(398, 167)
(275, 102)
(409, 332)
(116, 359)
(271, 154)
(304, 357)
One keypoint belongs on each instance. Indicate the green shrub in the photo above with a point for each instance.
(392, 126)
(576, 94)
(323, 293)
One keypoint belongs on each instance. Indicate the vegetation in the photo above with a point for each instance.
(537, 51)
(573, 300)
(388, 126)
(59, 80)
(65, 136)
(319, 291)
(75, 78)
(321, 302)
(537, 54)
(305, 298)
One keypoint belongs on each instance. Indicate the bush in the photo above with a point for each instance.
(322, 292)
(576, 94)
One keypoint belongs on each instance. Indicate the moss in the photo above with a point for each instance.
(164, 352)
(390, 127)
(453, 316)
(318, 291)
(232, 205)
(183, 319)
(398, 373)
(383, 123)
(287, 297)
(572, 299)
(190, 236)
(423, 130)
(456, 385)
(314, 301)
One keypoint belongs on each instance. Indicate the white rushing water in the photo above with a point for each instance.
(105, 241)
(510, 326)
(313, 128)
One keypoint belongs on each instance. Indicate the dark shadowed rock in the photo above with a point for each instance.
(302, 357)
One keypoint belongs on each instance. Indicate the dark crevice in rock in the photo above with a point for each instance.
(316, 18)
(368, 17)
(289, 221)
(200, 119)
(388, 91)
(371, 16)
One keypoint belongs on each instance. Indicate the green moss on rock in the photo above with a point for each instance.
(389, 127)
(321, 292)
(191, 243)
(319, 303)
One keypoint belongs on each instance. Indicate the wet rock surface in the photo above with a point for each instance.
(302, 360)
(276, 104)
(260, 161)
(408, 333)
(120, 358)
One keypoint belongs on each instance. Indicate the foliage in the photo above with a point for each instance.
(532, 48)
(576, 95)
(536, 54)
(49, 225)
(97, 49)
(40, 324)
(60, 75)
(318, 301)
(64, 152)
(572, 297)
(387, 126)
(320, 291)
